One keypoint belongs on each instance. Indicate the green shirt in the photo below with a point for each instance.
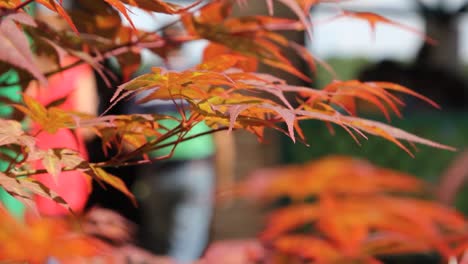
(10, 92)
(196, 148)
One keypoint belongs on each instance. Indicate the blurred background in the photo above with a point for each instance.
(182, 210)
(348, 46)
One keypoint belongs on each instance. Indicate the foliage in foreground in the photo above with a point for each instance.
(38, 239)
(341, 210)
(225, 91)
(345, 210)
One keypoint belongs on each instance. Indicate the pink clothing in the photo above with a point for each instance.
(72, 186)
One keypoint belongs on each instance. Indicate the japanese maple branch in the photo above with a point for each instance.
(184, 126)
(161, 146)
(191, 137)
(146, 147)
(107, 164)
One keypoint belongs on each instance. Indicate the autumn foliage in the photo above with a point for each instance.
(38, 239)
(226, 92)
(344, 210)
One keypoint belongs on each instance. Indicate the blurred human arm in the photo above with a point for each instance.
(86, 99)
(233, 252)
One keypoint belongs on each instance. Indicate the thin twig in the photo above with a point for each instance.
(191, 137)
(107, 164)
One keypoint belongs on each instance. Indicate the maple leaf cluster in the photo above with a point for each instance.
(346, 210)
(225, 91)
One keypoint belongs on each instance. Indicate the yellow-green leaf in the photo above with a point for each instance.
(114, 182)
(52, 164)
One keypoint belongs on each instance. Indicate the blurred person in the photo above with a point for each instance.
(77, 87)
(176, 195)
(79, 99)
(72, 185)
(104, 195)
